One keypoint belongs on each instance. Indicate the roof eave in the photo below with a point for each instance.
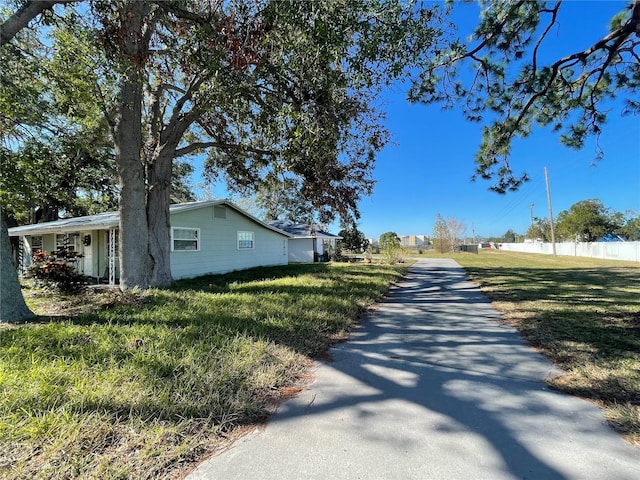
(73, 225)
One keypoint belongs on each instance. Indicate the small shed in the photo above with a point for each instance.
(212, 236)
(307, 242)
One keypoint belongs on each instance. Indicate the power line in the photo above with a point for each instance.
(518, 201)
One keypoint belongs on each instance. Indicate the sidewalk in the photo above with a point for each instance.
(431, 386)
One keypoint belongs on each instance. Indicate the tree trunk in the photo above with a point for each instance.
(13, 309)
(136, 264)
(158, 201)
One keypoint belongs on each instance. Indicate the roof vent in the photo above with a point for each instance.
(219, 212)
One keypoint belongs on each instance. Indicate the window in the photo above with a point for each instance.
(62, 241)
(245, 240)
(36, 243)
(185, 239)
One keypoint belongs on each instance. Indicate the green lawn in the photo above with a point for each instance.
(584, 314)
(141, 385)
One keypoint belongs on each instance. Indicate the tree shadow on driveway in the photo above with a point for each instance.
(432, 386)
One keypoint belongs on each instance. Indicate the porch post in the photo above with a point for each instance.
(112, 256)
(21, 263)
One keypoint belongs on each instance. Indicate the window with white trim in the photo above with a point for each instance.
(185, 239)
(246, 240)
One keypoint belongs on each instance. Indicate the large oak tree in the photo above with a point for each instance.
(266, 88)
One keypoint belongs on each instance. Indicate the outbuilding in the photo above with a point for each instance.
(307, 242)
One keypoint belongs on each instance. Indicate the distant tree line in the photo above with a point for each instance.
(585, 221)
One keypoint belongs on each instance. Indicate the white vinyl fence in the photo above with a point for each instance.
(609, 250)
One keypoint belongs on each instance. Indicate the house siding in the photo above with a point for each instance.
(49, 245)
(300, 250)
(219, 247)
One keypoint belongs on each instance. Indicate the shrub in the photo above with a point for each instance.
(57, 270)
(335, 253)
(394, 253)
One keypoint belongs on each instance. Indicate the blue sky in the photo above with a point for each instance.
(428, 169)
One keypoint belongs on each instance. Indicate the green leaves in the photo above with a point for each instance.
(307, 119)
(388, 239)
(587, 221)
(353, 239)
(82, 170)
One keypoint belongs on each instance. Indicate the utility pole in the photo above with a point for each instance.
(531, 212)
(553, 235)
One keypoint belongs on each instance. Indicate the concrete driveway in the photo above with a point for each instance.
(431, 386)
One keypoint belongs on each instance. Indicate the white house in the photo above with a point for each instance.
(307, 243)
(212, 236)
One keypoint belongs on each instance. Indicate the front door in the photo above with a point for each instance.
(86, 239)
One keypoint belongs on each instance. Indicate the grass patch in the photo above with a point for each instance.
(141, 385)
(583, 314)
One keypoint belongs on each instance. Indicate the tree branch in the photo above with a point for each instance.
(179, 12)
(188, 95)
(618, 36)
(23, 16)
(180, 152)
(480, 46)
(552, 22)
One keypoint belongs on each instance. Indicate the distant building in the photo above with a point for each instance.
(414, 241)
(610, 237)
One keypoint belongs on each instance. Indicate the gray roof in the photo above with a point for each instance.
(99, 221)
(108, 220)
(302, 230)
